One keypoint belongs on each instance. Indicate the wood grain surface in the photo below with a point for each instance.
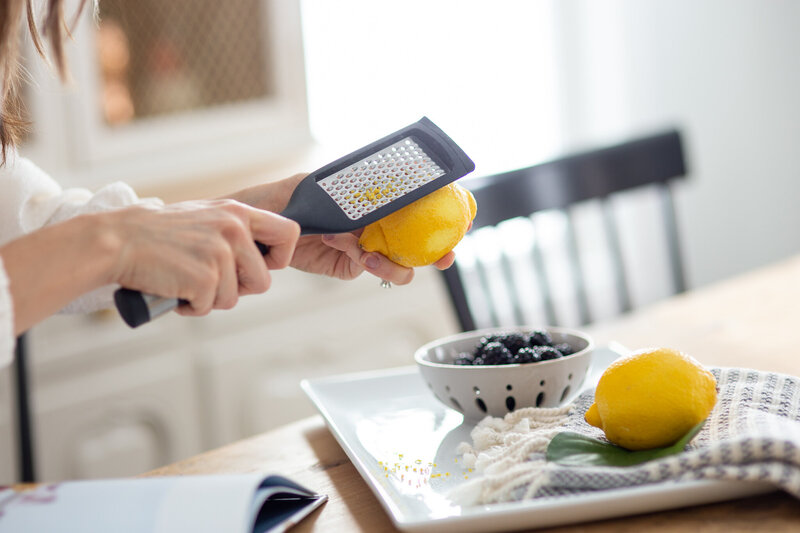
(750, 321)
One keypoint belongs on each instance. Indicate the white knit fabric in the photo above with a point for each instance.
(508, 454)
(29, 200)
(752, 434)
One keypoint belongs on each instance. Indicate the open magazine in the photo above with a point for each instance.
(230, 503)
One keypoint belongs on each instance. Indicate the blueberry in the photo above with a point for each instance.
(564, 348)
(527, 355)
(547, 353)
(540, 337)
(495, 353)
(490, 338)
(479, 349)
(463, 359)
(515, 341)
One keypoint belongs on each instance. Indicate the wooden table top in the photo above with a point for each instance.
(750, 321)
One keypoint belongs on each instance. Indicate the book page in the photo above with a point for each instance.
(199, 504)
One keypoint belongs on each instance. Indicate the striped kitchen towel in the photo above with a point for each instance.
(753, 434)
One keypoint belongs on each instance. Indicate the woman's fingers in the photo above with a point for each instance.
(344, 242)
(227, 294)
(252, 274)
(373, 262)
(203, 285)
(377, 264)
(380, 266)
(446, 262)
(202, 252)
(279, 233)
(250, 270)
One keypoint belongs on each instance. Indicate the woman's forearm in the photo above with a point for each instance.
(271, 196)
(51, 267)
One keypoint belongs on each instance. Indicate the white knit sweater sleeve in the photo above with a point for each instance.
(29, 200)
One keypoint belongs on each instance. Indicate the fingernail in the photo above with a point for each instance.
(371, 262)
(327, 237)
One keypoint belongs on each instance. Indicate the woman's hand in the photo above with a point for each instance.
(202, 252)
(340, 256)
(337, 256)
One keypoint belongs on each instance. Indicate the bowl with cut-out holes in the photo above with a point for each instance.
(497, 389)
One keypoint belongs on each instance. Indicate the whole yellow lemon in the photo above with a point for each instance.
(422, 232)
(652, 398)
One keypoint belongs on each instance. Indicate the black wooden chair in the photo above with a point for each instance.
(495, 291)
(22, 401)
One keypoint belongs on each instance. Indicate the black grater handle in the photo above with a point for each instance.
(137, 308)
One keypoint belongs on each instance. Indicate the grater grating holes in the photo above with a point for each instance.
(381, 178)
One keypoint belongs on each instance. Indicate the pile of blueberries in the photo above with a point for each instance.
(514, 348)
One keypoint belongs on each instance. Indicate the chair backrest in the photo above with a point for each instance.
(597, 176)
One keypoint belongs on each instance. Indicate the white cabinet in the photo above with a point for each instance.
(118, 420)
(111, 401)
(251, 379)
(108, 401)
(171, 91)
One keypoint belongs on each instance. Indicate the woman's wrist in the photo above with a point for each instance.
(272, 196)
(103, 244)
(50, 267)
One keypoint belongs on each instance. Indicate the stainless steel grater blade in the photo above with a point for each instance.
(381, 178)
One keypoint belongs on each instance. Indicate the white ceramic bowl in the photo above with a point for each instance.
(495, 390)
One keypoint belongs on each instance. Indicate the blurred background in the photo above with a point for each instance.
(195, 98)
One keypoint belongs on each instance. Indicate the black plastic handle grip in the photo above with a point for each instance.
(137, 308)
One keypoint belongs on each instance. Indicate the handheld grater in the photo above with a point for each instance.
(348, 194)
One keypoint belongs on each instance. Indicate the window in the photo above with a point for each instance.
(483, 71)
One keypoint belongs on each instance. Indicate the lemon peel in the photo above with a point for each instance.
(652, 398)
(424, 231)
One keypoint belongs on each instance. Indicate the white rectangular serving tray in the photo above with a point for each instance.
(403, 442)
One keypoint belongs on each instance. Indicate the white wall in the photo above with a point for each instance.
(483, 71)
(728, 74)
(517, 81)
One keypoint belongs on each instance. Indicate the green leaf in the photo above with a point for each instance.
(574, 449)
